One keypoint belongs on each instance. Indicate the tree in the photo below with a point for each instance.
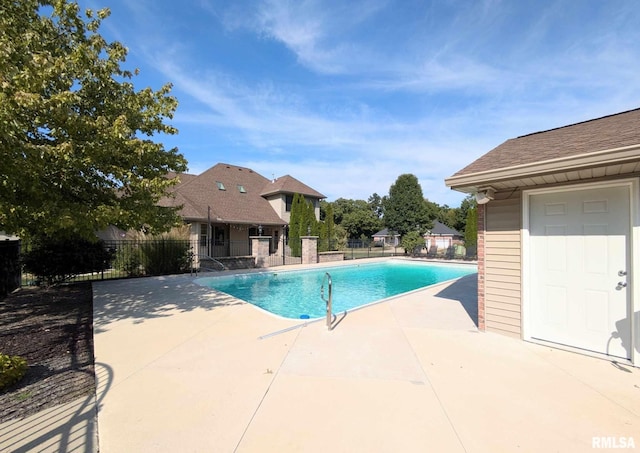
(310, 224)
(329, 224)
(341, 207)
(76, 152)
(471, 230)
(375, 203)
(462, 213)
(296, 222)
(327, 231)
(405, 208)
(358, 217)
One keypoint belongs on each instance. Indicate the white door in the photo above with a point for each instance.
(579, 248)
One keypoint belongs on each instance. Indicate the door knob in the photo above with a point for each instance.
(622, 273)
(621, 285)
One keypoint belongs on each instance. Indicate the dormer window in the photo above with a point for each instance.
(241, 188)
(220, 185)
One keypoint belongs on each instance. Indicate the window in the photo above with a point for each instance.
(241, 188)
(220, 185)
(218, 235)
(288, 202)
(203, 235)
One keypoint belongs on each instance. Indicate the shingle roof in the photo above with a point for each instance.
(290, 185)
(197, 193)
(384, 232)
(440, 229)
(609, 132)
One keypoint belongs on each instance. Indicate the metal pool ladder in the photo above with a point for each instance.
(327, 278)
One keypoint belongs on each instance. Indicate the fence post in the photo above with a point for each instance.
(260, 249)
(309, 249)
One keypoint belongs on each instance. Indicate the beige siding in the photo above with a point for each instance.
(503, 290)
(505, 329)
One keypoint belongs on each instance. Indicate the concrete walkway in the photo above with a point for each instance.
(183, 368)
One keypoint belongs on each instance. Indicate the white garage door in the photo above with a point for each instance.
(579, 257)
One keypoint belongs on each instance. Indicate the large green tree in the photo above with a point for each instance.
(358, 217)
(296, 223)
(405, 209)
(471, 230)
(376, 202)
(327, 231)
(76, 148)
(466, 205)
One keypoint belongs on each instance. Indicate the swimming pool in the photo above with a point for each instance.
(296, 293)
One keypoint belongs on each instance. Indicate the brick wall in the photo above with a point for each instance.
(325, 257)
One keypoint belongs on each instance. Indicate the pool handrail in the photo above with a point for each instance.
(327, 278)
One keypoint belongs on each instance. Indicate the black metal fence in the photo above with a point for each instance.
(147, 257)
(357, 248)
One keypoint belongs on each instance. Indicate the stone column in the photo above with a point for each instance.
(309, 249)
(260, 249)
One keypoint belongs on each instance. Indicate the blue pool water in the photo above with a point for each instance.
(296, 294)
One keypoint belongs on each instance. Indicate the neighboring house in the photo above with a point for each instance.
(442, 237)
(386, 239)
(227, 204)
(558, 232)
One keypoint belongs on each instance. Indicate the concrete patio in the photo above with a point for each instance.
(184, 368)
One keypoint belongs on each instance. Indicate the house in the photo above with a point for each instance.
(442, 237)
(558, 232)
(386, 239)
(228, 204)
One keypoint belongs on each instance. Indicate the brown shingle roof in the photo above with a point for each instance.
(609, 132)
(231, 205)
(182, 177)
(290, 185)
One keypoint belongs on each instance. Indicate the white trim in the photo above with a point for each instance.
(633, 185)
(524, 266)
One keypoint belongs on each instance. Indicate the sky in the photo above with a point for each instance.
(346, 96)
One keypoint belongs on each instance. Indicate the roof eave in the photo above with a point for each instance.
(235, 221)
(471, 181)
(318, 195)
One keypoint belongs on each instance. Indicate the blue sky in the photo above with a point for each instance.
(348, 95)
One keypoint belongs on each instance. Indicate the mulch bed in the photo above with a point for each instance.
(52, 328)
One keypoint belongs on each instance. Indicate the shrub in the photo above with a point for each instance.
(412, 242)
(12, 369)
(57, 260)
(129, 259)
(165, 256)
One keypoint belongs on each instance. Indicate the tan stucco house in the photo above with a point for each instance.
(558, 236)
(227, 204)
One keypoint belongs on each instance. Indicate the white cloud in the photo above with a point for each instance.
(318, 33)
